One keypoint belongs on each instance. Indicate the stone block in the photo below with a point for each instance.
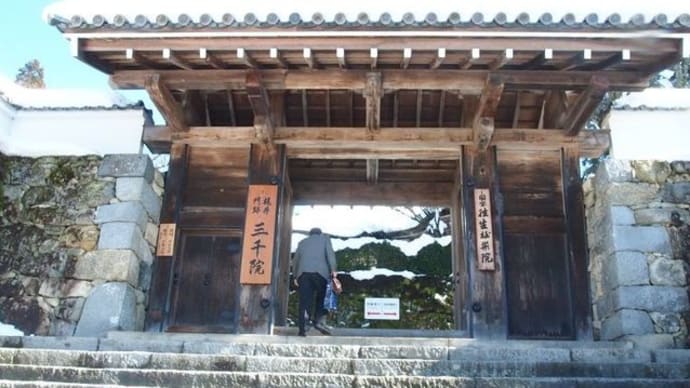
(614, 170)
(651, 341)
(677, 192)
(131, 211)
(631, 193)
(666, 323)
(137, 189)
(151, 234)
(672, 356)
(661, 299)
(60, 342)
(153, 345)
(626, 322)
(625, 269)
(110, 306)
(145, 273)
(124, 235)
(656, 216)
(110, 265)
(641, 239)
(651, 171)
(667, 272)
(610, 355)
(127, 165)
(622, 215)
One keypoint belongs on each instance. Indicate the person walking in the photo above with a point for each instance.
(314, 267)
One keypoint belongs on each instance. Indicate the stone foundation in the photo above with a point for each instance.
(74, 229)
(639, 239)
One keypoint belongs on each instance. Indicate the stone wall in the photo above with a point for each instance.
(637, 220)
(76, 242)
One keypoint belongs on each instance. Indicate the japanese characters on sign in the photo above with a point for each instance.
(486, 260)
(166, 240)
(259, 234)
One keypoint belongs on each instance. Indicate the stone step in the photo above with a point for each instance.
(357, 366)
(75, 377)
(51, 384)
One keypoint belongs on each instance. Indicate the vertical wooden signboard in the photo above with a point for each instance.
(259, 234)
(486, 260)
(166, 240)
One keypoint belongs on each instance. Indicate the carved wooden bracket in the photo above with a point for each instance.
(373, 91)
(483, 123)
(166, 104)
(586, 103)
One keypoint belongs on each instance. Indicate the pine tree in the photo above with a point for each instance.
(31, 75)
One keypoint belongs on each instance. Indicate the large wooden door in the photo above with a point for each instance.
(205, 282)
(538, 286)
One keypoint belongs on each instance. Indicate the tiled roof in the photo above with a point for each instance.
(149, 15)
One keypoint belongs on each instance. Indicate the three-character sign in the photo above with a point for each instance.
(259, 234)
(486, 260)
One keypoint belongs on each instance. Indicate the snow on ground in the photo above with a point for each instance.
(9, 330)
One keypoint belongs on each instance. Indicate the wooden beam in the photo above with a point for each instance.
(258, 98)
(576, 60)
(483, 123)
(475, 54)
(305, 108)
(586, 103)
(608, 62)
(138, 59)
(396, 107)
(175, 60)
(516, 111)
(418, 111)
(207, 112)
(373, 92)
(166, 104)
(538, 60)
(469, 82)
(337, 139)
(372, 171)
(328, 108)
(275, 55)
(361, 193)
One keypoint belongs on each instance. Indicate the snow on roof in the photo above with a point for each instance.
(655, 99)
(370, 274)
(137, 13)
(56, 99)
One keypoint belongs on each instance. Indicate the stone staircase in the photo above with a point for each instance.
(208, 360)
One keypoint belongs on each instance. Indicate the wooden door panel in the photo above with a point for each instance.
(537, 286)
(205, 283)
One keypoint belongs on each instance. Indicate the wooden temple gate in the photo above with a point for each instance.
(489, 123)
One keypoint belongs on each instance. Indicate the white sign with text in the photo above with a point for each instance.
(382, 308)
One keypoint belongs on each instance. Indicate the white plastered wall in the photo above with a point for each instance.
(650, 134)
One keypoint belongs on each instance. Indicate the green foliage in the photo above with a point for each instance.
(381, 255)
(31, 75)
(433, 259)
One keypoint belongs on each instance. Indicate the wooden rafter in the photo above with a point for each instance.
(207, 111)
(407, 57)
(175, 60)
(258, 98)
(501, 61)
(328, 108)
(211, 59)
(469, 82)
(475, 53)
(440, 57)
(138, 59)
(350, 141)
(275, 55)
(608, 62)
(340, 55)
(373, 55)
(418, 114)
(247, 59)
(516, 111)
(373, 92)
(305, 108)
(576, 60)
(584, 106)
(309, 58)
(396, 107)
(483, 123)
(538, 60)
(166, 104)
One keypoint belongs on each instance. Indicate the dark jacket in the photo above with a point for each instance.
(311, 256)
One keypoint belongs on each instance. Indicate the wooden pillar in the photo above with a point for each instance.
(486, 301)
(161, 273)
(460, 275)
(574, 206)
(283, 266)
(257, 301)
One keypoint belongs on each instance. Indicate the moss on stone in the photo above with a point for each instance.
(62, 173)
